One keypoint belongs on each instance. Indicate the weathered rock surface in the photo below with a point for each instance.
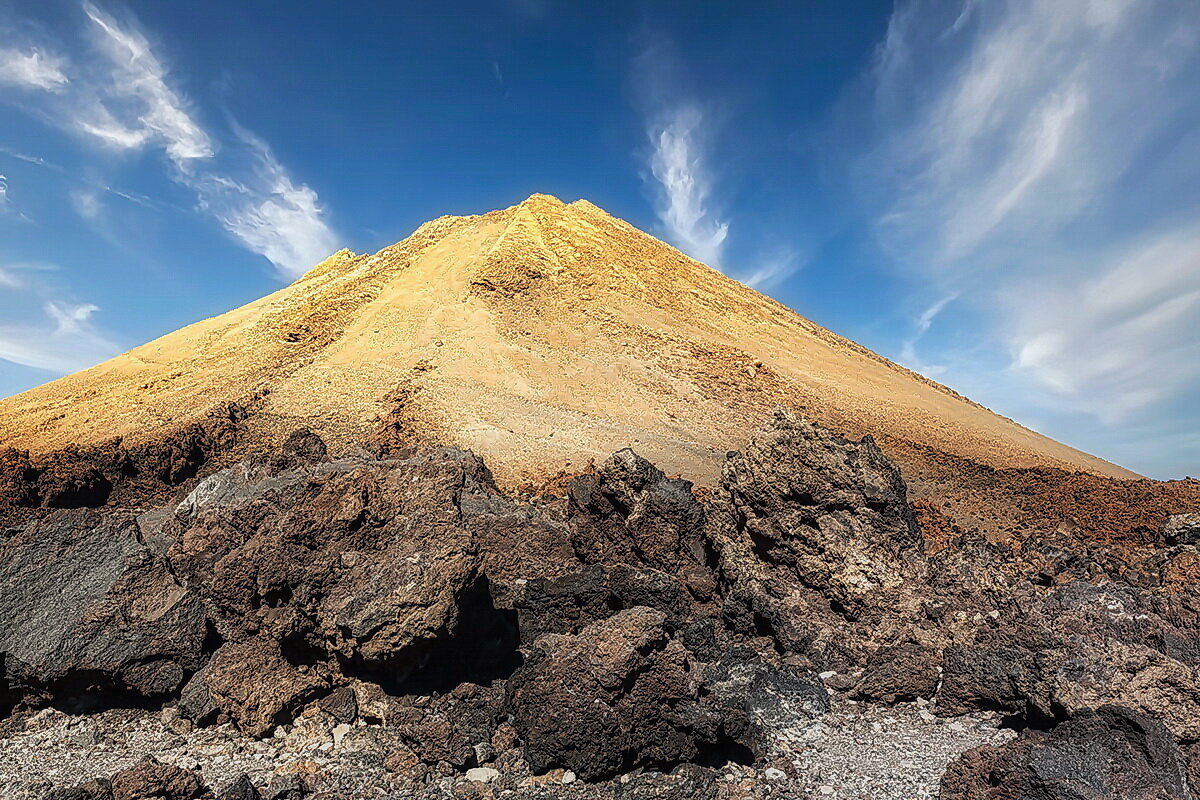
(1098, 755)
(625, 626)
(810, 524)
(1183, 529)
(252, 684)
(616, 696)
(362, 562)
(90, 611)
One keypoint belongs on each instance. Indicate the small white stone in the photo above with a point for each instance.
(826, 790)
(568, 777)
(827, 675)
(339, 732)
(483, 774)
(774, 774)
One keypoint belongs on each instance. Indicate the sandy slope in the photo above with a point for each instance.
(540, 336)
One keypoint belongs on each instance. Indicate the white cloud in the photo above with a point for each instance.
(9, 279)
(1019, 144)
(87, 204)
(3, 193)
(62, 339)
(1122, 338)
(773, 269)
(908, 350)
(270, 214)
(677, 162)
(32, 69)
(123, 100)
(136, 89)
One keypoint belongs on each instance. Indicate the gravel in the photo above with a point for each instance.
(855, 752)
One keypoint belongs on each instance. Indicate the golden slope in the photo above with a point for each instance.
(539, 336)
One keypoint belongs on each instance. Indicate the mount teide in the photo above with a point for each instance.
(540, 336)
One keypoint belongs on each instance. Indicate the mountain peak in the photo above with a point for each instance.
(540, 336)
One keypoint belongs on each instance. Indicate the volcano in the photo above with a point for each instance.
(541, 336)
(259, 551)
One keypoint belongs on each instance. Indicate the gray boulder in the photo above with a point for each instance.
(92, 615)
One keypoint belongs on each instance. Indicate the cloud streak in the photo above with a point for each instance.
(136, 105)
(1032, 156)
(270, 214)
(677, 163)
(681, 129)
(45, 330)
(32, 69)
(123, 99)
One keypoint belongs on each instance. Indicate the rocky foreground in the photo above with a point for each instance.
(393, 625)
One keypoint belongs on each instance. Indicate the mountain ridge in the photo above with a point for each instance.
(542, 335)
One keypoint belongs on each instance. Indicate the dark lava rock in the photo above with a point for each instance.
(341, 704)
(241, 788)
(447, 728)
(1182, 529)
(18, 480)
(755, 696)
(622, 693)
(807, 523)
(74, 485)
(92, 615)
(304, 445)
(98, 789)
(628, 512)
(152, 780)
(1099, 755)
(362, 561)
(898, 673)
(1048, 655)
(596, 592)
(253, 684)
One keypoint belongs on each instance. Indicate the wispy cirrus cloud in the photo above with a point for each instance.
(1033, 155)
(678, 164)
(123, 98)
(43, 328)
(136, 106)
(32, 68)
(1122, 338)
(65, 340)
(269, 212)
(908, 350)
(681, 130)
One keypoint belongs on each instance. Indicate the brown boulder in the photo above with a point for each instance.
(152, 780)
(606, 700)
(252, 683)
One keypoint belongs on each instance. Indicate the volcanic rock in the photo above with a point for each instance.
(606, 700)
(151, 780)
(253, 685)
(808, 522)
(1108, 753)
(363, 561)
(900, 672)
(1183, 529)
(628, 512)
(93, 615)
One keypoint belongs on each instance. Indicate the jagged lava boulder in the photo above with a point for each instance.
(1099, 755)
(93, 614)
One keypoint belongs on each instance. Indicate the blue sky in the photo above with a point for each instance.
(1002, 194)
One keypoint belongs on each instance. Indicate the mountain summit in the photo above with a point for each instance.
(540, 336)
